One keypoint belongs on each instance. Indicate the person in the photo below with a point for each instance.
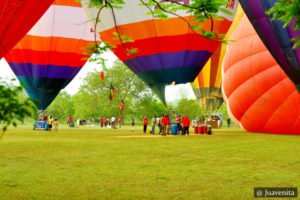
(153, 125)
(132, 125)
(113, 121)
(168, 124)
(186, 125)
(158, 122)
(101, 121)
(145, 124)
(228, 122)
(55, 123)
(106, 122)
(45, 117)
(178, 120)
(120, 121)
(78, 122)
(164, 125)
(50, 124)
(40, 117)
(70, 120)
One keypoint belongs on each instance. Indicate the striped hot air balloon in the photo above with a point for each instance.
(16, 19)
(167, 50)
(52, 53)
(207, 85)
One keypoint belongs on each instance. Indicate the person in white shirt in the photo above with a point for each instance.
(113, 120)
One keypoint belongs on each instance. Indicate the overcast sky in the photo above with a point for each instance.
(73, 87)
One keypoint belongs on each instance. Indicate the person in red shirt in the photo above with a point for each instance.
(101, 121)
(186, 125)
(106, 122)
(145, 124)
(168, 124)
(120, 121)
(164, 125)
(70, 120)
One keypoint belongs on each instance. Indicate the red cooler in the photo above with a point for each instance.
(205, 129)
(196, 130)
(201, 129)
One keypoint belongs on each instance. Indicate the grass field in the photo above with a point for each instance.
(95, 163)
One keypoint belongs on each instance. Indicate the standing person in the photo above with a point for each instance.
(113, 121)
(106, 122)
(154, 122)
(45, 118)
(132, 125)
(164, 125)
(55, 123)
(186, 125)
(101, 121)
(228, 122)
(70, 120)
(50, 124)
(120, 121)
(145, 124)
(168, 124)
(158, 122)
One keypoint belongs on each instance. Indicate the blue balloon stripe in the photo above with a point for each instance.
(44, 71)
(163, 61)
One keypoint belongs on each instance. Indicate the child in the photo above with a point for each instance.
(55, 123)
(50, 124)
(132, 125)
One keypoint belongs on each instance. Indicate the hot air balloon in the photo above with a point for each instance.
(52, 53)
(16, 19)
(167, 50)
(207, 85)
(276, 38)
(259, 95)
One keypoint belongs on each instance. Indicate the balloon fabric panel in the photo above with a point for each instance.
(276, 38)
(167, 50)
(259, 95)
(52, 53)
(16, 19)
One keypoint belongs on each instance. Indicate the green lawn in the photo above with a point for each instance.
(92, 163)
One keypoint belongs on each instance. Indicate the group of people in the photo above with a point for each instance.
(49, 121)
(164, 124)
(112, 122)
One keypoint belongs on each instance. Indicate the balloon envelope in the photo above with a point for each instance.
(207, 85)
(276, 38)
(51, 54)
(168, 50)
(16, 19)
(259, 95)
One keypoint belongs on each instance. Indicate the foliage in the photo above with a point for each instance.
(286, 11)
(13, 107)
(61, 107)
(189, 107)
(92, 100)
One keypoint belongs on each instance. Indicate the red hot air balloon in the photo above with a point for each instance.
(16, 19)
(259, 95)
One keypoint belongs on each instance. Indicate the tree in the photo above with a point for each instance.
(92, 100)
(61, 107)
(13, 107)
(189, 107)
